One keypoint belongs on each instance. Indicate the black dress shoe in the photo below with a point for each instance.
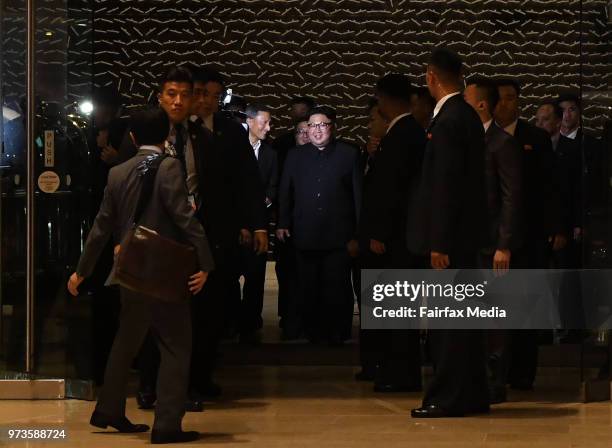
(194, 405)
(364, 375)
(122, 424)
(250, 338)
(522, 384)
(158, 437)
(433, 411)
(396, 388)
(497, 395)
(146, 400)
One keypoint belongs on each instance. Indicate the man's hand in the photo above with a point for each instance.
(109, 155)
(353, 248)
(281, 234)
(102, 138)
(501, 261)
(196, 282)
(245, 237)
(260, 244)
(117, 249)
(377, 247)
(559, 241)
(74, 282)
(439, 261)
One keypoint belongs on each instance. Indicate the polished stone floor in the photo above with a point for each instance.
(302, 406)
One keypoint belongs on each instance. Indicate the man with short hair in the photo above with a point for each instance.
(300, 107)
(389, 203)
(542, 226)
(168, 213)
(503, 177)
(449, 229)
(254, 265)
(320, 199)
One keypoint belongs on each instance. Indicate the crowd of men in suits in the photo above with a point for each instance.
(450, 177)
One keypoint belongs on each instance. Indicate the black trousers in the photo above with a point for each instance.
(254, 272)
(286, 274)
(170, 324)
(394, 356)
(324, 305)
(460, 382)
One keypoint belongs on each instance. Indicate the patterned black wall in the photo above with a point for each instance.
(333, 50)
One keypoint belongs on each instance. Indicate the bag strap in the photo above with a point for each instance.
(148, 171)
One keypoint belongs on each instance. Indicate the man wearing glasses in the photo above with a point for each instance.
(320, 197)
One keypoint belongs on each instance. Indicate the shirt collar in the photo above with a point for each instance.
(488, 124)
(151, 148)
(396, 119)
(511, 128)
(442, 101)
(256, 145)
(572, 134)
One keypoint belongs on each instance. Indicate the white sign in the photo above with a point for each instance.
(48, 182)
(49, 149)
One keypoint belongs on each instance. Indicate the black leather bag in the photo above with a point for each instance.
(149, 263)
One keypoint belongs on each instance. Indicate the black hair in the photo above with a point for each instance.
(254, 108)
(329, 112)
(423, 93)
(505, 82)
(569, 97)
(372, 103)
(206, 74)
(176, 74)
(107, 96)
(308, 101)
(488, 87)
(150, 126)
(557, 110)
(395, 85)
(447, 62)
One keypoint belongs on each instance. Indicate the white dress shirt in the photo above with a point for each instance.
(487, 125)
(256, 147)
(442, 101)
(572, 134)
(511, 128)
(395, 120)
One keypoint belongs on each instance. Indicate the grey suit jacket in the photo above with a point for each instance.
(168, 211)
(503, 160)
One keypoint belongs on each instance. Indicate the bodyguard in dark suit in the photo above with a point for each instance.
(449, 228)
(320, 199)
(503, 176)
(170, 214)
(542, 227)
(254, 265)
(389, 202)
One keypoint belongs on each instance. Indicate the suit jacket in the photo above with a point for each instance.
(540, 197)
(268, 171)
(320, 195)
(503, 174)
(168, 211)
(390, 192)
(282, 144)
(569, 173)
(452, 205)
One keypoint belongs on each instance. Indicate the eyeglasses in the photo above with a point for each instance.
(322, 126)
(301, 132)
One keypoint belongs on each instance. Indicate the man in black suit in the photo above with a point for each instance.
(389, 202)
(233, 209)
(449, 227)
(254, 265)
(105, 137)
(170, 214)
(568, 170)
(320, 199)
(503, 176)
(542, 228)
(300, 110)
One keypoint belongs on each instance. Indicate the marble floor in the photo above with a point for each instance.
(311, 407)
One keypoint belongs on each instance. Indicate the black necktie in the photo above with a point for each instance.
(179, 143)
